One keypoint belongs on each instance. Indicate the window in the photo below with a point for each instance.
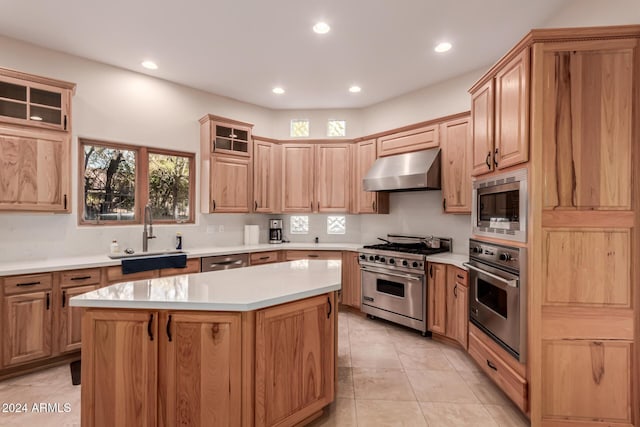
(116, 181)
(337, 128)
(299, 128)
(336, 224)
(299, 224)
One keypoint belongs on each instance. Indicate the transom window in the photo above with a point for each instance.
(299, 128)
(337, 128)
(116, 181)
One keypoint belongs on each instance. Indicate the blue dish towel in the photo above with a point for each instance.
(136, 265)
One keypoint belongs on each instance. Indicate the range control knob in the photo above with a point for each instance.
(477, 249)
(415, 264)
(370, 257)
(392, 261)
(381, 259)
(505, 257)
(362, 256)
(405, 262)
(376, 257)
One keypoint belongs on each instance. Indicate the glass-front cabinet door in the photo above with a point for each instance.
(232, 140)
(34, 104)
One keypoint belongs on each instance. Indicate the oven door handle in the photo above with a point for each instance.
(393, 274)
(511, 283)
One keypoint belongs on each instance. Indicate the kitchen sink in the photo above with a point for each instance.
(146, 254)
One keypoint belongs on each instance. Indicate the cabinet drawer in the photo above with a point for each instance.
(27, 283)
(461, 276)
(87, 276)
(193, 266)
(408, 141)
(509, 381)
(295, 255)
(114, 274)
(264, 257)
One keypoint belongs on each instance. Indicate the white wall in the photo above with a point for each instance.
(588, 13)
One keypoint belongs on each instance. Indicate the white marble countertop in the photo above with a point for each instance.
(450, 258)
(241, 289)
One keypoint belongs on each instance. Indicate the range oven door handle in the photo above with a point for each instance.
(392, 274)
(510, 283)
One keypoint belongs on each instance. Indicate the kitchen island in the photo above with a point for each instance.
(254, 346)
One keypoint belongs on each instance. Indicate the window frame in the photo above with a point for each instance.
(141, 182)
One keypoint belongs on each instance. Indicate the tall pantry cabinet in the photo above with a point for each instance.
(584, 217)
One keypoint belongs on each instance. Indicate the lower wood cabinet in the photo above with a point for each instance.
(269, 257)
(70, 319)
(351, 284)
(200, 369)
(457, 305)
(436, 298)
(119, 368)
(27, 318)
(296, 255)
(294, 365)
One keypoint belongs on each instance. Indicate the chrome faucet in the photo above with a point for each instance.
(147, 232)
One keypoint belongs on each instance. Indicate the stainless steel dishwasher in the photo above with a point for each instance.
(224, 262)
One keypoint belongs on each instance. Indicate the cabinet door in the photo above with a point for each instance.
(294, 360)
(437, 298)
(119, 368)
(482, 129)
(230, 181)
(367, 201)
(201, 375)
(266, 182)
(70, 319)
(296, 255)
(408, 141)
(512, 112)
(351, 289)
(297, 177)
(332, 177)
(457, 305)
(456, 177)
(34, 170)
(231, 139)
(27, 327)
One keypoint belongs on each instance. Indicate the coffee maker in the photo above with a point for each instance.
(275, 231)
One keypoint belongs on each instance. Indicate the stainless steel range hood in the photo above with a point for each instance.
(405, 172)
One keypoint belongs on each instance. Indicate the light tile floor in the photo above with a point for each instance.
(388, 376)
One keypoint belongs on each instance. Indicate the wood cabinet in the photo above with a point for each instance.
(34, 170)
(585, 205)
(193, 266)
(500, 116)
(295, 365)
(114, 274)
(436, 298)
(269, 257)
(366, 201)
(69, 319)
(294, 255)
(457, 305)
(27, 318)
(200, 369)
(456, 158)
(316, 177)
(226, 149)
(351, 281)
(119, 368)
(298, 164)
(266, 177)
(407, 141)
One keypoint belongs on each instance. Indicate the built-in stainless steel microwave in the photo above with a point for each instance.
(499, 206)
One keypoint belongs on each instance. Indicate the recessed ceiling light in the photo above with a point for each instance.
(355, 89)
(442, 47)
(321, 28)
(277, 90)
(150, 65)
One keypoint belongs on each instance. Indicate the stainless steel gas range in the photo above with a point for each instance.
(394, 285)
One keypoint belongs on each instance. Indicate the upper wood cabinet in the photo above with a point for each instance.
(366, 201)
(500, 117)
(35, 143)
(266, 176)
(35, 101)
(35, 170)
(294, 365)
(456, 177)
(226, 181)
(407, 141)
(316, 177)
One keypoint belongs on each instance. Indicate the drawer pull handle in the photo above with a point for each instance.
(81, 278)
(169, 329)
(491, 365)
(459, 277)
(28, 284)
(312, 256)
(263, 258)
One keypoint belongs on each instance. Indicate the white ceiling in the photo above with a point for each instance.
(243, 48)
